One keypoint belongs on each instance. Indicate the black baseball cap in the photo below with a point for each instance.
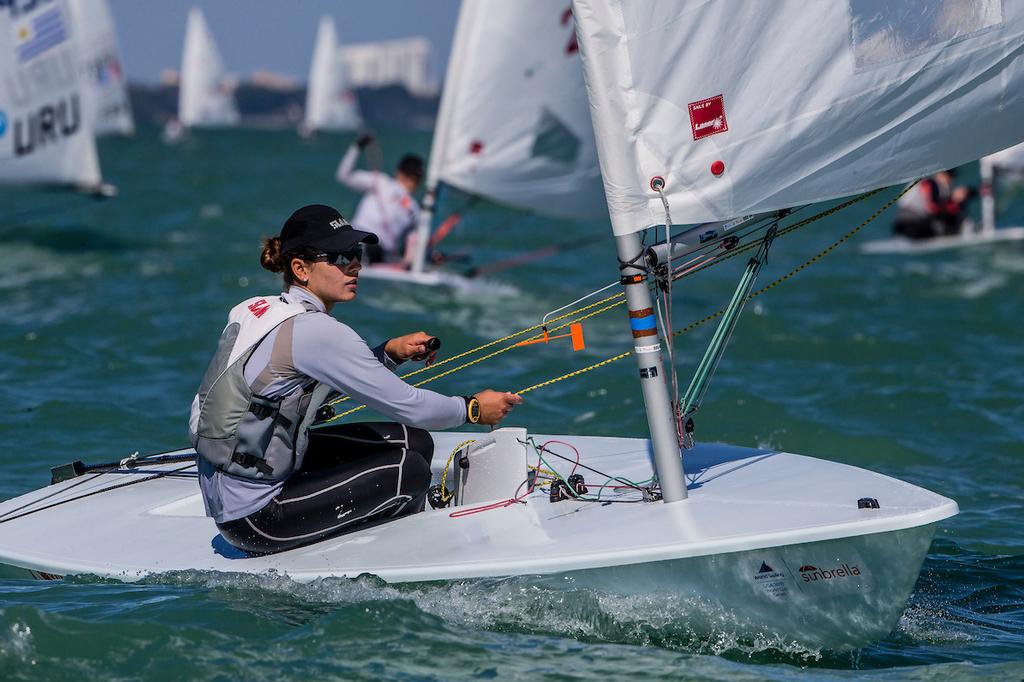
(321, 227)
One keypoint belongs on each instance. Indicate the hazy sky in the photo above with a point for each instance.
(273, 34)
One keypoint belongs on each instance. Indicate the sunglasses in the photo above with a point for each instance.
(343, 259)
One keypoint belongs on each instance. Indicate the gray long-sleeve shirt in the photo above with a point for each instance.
(330, 352)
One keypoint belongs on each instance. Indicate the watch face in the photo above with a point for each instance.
(474, 410)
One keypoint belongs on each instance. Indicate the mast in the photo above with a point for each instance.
(438, 146)
(988, 198)
(647, 350)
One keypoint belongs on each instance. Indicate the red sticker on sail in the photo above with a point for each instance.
(707, 117)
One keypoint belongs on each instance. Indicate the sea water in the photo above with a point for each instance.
(911, 366)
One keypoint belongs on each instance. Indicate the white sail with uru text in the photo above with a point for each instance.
(330, 105)
(46, 131)
(205, 97)
(734, 118)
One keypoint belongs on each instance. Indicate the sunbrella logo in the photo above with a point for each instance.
(811, 574)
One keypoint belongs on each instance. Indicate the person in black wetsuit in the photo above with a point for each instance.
(268, 480)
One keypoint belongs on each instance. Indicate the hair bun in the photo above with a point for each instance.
(271, 258)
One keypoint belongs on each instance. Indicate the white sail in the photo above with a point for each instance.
(205, 97)
(330, 105)
(45, 125)
(514, 124)
(1008, 158)
(103, 73)
(378, 64)
(746, 106)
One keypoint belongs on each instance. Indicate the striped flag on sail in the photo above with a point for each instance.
(40, 33)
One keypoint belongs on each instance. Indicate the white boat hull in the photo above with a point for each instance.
(436, 278)
(902, 245)
(748, 510)
(829, 608)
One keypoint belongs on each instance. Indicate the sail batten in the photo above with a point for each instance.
(798, 102)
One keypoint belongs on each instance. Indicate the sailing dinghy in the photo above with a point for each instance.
(765, 543)
(330, 104)
(1008, 161)
(46, 121)
(205, 95)
(513, 127)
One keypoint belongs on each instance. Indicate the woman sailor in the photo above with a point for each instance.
(268, 481)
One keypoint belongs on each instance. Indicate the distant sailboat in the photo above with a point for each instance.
(104, 75)
(330, 105)
(990, 167)
(513, 125)
(46, 131)
(205, 97)
(1011, 160)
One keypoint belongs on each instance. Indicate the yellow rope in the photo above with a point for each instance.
(444, 472)
(619, 299)
(513, 335)
(757, 293)
(795, 226)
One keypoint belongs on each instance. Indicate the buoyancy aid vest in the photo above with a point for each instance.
(927, 199)
(235, 428)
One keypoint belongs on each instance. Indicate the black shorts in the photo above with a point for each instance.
(352, 474)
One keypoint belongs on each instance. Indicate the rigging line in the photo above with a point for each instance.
(619, 298)
(541, 449)
(453, 217)
(708, 318)
(529, 257)
(111, 466)
(795, 226)
(664, 308)
(490, 344)
(614, 297)
(710, 261)
(762, 223)
(136, 481)
(464, 365)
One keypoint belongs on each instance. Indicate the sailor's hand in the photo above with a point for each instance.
(495, 405)
(364, 140)
(411, 347)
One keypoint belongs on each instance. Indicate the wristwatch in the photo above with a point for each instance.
(472, 409)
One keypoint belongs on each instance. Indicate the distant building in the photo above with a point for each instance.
(269, 80)
(392, 62)
(169, 77)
